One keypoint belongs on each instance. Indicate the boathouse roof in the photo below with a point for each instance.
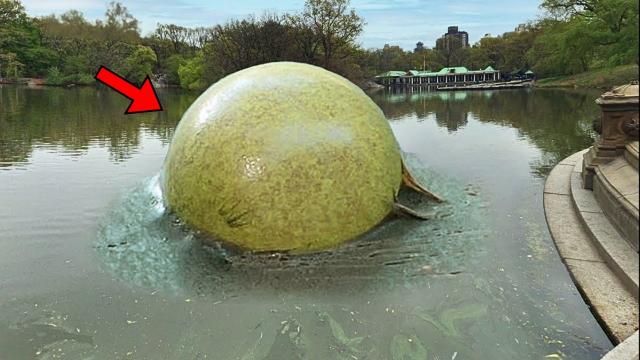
(453, 70)
(392, 73)
(444, 71)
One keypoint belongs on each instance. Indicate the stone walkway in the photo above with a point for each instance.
(603, 264)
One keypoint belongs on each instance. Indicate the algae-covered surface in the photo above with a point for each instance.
(283, 156)
(93, 268)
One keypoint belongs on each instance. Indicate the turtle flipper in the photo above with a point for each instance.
(400, 209)
(409, 181)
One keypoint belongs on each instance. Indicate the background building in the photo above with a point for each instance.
(521, 28)
(453, 39)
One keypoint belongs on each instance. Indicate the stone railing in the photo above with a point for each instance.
(617, 126)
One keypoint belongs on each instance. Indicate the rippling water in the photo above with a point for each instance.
(92, 268)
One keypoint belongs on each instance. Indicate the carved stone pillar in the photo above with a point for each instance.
(617, 126)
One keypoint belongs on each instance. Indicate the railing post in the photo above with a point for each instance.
(617, 126)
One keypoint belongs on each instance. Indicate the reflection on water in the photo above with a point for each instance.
(92, 268)
(77, 119)
(555, 121)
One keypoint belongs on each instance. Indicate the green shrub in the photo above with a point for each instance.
(85, 79)
(76, 79)
(54, 77)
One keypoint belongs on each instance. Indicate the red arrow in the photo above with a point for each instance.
(143, 99)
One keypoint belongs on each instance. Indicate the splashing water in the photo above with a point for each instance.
(143, 245)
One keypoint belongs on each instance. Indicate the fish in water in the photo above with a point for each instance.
(285, 157)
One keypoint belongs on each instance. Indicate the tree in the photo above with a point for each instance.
(335, 25)
(11, 65)
(198, 37)
(392, 57)
(433, 60)
(239, 44)
(12, 12)
(173, 44)
(174, 34)
(80, 46)
(191, 73)
(577, 35)
(119, 24)
(171, 67)
(306, 39)
(140, 64)
(20, 40)
(607, 29)
(479, 58)
(451, 50)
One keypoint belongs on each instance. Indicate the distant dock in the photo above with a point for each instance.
(455, 78)
(516, 84)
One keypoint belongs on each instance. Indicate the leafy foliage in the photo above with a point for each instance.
(69, 43)
(575, 36)
(335, 25)
(191, 73)
(586, 35)
(54, 77)
(139, 64)
(21, 51)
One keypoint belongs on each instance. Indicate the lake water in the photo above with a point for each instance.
(91, 268)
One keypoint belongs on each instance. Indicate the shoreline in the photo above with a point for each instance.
(594, 79)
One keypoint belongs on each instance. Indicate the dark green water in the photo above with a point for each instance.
(92, 269)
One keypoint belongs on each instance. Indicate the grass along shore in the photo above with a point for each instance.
(601, 78)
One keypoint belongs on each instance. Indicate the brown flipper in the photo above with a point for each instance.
(409, 181)
(400, 209)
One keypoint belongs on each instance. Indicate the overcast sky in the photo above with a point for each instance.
(397, 22)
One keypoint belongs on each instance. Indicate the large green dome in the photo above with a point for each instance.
(283, 156)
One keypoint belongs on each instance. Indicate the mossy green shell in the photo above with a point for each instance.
(282, 156)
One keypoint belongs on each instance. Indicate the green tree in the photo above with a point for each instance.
(140, 64)
(171, 66)
(81, 46)
(335, 25)
(478, 57)
(12, 11)
(452, 51)
(392, 57)
(589, 34)
(119, 24)
(20, 41)
(191, 73)
(10, 64)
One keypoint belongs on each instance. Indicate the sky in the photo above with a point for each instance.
(395, 22)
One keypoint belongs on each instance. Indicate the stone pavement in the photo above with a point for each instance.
(603, 264)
